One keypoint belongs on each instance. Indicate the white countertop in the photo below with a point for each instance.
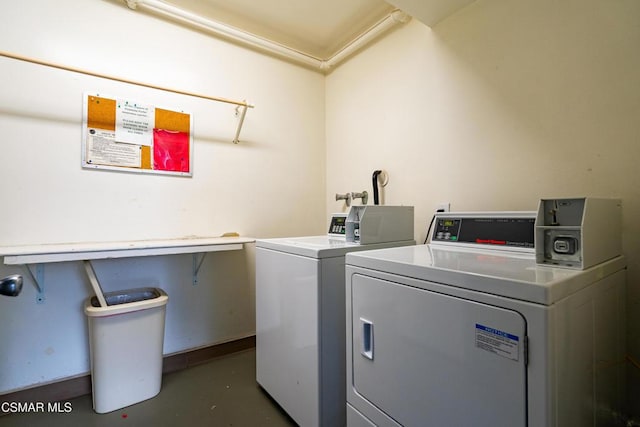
(60, 252)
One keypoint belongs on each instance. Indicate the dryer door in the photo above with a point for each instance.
(429, 359)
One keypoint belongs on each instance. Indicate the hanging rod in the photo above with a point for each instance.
(243, 104)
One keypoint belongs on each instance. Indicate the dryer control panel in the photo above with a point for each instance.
(498, 229)
(447, 229)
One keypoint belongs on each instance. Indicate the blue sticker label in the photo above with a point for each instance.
(497, 342)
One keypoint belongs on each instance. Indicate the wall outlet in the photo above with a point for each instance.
(443, 207)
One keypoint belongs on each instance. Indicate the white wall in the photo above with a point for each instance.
(271, 184)
(497, 106)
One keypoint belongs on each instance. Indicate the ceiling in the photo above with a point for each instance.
(318, 28)
(315, 33)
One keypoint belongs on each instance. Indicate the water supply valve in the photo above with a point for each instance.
(364, 196)
(346, 197)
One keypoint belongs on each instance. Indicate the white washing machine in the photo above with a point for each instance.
(300, 324)
(473, 332)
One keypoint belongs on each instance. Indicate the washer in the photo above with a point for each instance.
(476, 333)
(300, 324)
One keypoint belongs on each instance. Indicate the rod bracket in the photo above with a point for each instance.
(241, 114)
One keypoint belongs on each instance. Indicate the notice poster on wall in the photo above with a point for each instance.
(134, 122)
(122, 134)
(102, 149)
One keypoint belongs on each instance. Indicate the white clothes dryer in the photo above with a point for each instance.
(475, 333)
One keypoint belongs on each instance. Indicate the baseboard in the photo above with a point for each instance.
(79, 386)
(176, 362)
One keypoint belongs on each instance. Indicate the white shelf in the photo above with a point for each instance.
(39, 254)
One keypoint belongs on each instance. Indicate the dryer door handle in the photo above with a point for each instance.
(366, 345)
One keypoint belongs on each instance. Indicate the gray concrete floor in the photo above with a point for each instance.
(221, 392)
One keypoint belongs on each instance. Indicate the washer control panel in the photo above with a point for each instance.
(337, 226)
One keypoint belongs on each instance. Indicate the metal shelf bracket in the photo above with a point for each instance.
(37, 280)
(197, 263)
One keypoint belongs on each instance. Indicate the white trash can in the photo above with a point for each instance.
(125, 344)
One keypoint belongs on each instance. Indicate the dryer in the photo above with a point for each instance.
(471, 331)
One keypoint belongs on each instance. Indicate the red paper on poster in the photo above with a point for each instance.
(170, 150)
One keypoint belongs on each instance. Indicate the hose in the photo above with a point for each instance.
(375, 187)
